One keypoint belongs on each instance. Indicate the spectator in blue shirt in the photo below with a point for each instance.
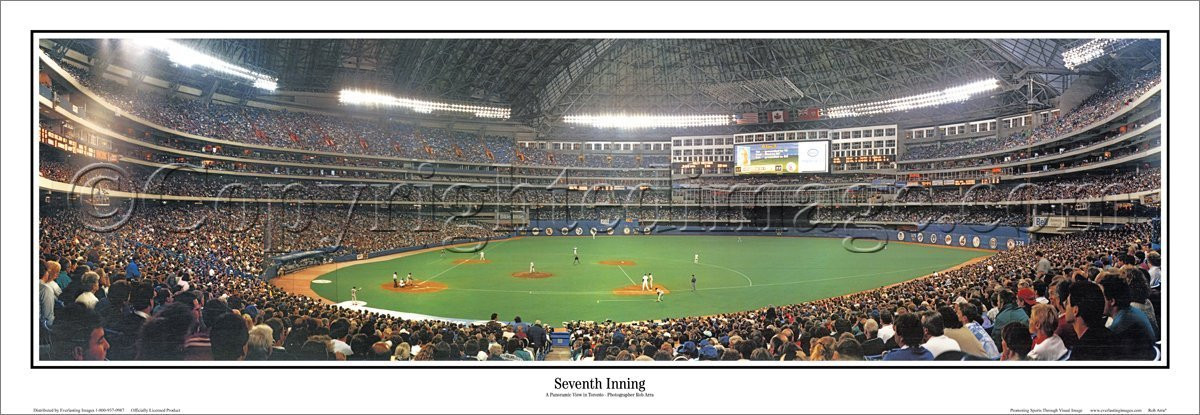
(1130, 325)
(131, 270)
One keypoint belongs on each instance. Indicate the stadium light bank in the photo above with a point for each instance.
(928, 99)
(640, 121)
(356, 97)
(185, 56)
(1092, 49)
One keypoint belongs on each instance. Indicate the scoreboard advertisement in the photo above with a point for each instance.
(782, 157)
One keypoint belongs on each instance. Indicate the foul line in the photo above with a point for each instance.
(443, 272)
(626, 275)
(748, 280)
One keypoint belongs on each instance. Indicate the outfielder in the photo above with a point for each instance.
(693, 282)
(696, 259)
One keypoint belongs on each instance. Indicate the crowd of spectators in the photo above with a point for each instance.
(1099, 106)
(147, 291)
(334, 133)
(1078, 187)
(1044, 301)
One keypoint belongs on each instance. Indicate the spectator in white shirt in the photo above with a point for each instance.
(91, 283)
(1046, 345)
(49, 291)
(936, 340)
(887, 331)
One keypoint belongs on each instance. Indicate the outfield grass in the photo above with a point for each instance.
(732, 276)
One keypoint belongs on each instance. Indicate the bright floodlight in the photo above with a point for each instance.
(183, 55)
(648, 121)
(930, 99)
(1092, 49)
(354, 97)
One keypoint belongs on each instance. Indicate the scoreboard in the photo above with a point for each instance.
(862, 159)
(784, 157)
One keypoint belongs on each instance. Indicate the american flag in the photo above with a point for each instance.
(746, 118)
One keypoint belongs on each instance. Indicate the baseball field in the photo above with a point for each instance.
(731, 275)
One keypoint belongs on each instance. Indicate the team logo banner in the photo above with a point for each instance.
(900, 235)
(975, 241)
(962, 240)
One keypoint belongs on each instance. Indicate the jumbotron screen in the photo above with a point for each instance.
(791, 157)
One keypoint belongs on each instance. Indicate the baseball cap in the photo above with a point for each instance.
(1027, 295)
(708, 353)
(688, 348)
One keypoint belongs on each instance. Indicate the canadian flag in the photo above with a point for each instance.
(778, 116)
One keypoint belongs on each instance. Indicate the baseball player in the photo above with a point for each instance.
(645, 282)
(696, 259)
(354, 296)
(693, 282)
(576, 260)
(395, 279)
(408, 279)
(481, 255)
(651, 279)
(531, 268)
(575, 250)
(660, 295)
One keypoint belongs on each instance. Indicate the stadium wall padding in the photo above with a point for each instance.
(999, 238)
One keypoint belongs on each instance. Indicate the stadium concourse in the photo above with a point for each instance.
(175, 201)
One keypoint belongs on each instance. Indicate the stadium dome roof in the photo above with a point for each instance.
(544, 79)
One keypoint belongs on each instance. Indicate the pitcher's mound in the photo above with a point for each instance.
(417, 287)
(619, 262)
(472, 261)
(637, 290)
(532, 274)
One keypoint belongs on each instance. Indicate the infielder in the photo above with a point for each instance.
(651, 279)
(354, 296)
(481, 255)
(645, 282)
(660, 295)
(531, 269)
